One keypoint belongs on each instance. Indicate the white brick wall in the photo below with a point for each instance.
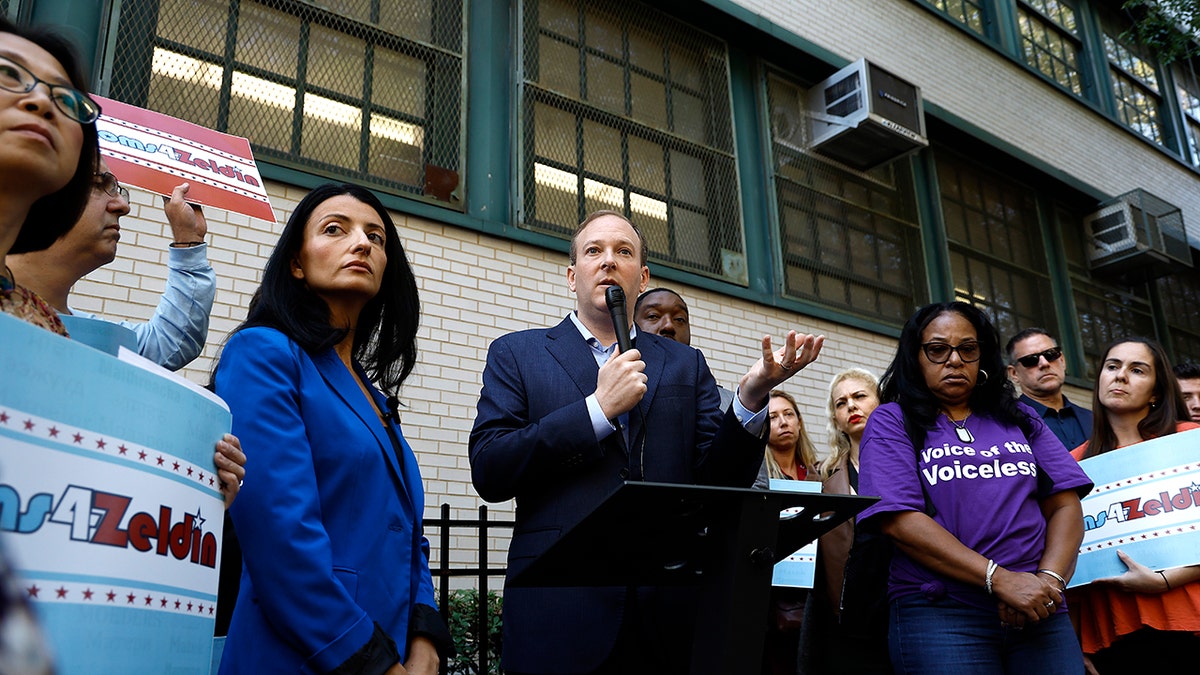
(975, 83)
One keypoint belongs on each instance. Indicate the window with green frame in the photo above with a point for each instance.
(626, 108)
(1050, 40)
(1134, 84)
(997, 261)
(849, 240)
(1179, 295)
(1105, 309)
(1187, 88)
(970, 13)
(364, 90)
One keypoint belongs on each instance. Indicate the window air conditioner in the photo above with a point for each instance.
(864, 117)
(1137, 237)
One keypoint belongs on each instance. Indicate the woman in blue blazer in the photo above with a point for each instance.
(336, 574)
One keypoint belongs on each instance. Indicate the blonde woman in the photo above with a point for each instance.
(790, 453)
(845, 629)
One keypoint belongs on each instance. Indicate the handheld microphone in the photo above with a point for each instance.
(614, 296)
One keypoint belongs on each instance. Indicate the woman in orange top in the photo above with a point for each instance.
(1141, 614)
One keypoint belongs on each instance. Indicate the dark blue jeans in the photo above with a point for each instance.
(946, 637)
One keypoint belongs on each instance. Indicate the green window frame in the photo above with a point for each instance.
(1179, 296)
(994, 235)
(1135, 88)
(363, 90)
(625, 108)
(1187, 88)
(1050, 41)
(970, 13)
(849, 240)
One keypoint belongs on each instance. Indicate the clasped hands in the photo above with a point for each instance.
(1025, 598)
(621, 383)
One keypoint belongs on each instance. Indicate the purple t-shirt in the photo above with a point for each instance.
(985, 493)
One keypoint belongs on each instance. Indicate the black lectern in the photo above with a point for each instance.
(722, 541)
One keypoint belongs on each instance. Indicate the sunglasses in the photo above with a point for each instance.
(1051, 355)
(939, 352)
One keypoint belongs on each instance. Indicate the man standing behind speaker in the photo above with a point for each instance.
(663, 312)
(564, 418)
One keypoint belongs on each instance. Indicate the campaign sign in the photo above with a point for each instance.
(1146, 502)
(157, 152)
(800, 568)
(110, 510)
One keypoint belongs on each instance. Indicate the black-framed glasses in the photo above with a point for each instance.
(72, 102)
(108, 182)
(939, 352)
(1051, 355)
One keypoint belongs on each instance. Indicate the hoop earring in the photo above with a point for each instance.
(981, 382)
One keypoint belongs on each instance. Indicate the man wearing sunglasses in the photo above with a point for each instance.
(1036, 364)
(176, 333)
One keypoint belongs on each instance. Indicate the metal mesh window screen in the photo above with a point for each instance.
(363, 90)
(850, 240)
(624, 108)
(997, 260)
(1104, 309)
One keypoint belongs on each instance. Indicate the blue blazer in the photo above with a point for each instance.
(329, 518)
(533, 440)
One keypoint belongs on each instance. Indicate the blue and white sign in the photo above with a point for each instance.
(800, 568)
(110, 508)
(1146, 503)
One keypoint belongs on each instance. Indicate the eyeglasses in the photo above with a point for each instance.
(1051, 355)
(108, 183)
(939, 352)
(73, 103)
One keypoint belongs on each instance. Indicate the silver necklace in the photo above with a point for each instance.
(960, 428)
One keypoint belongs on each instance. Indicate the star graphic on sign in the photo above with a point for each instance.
(101, 444)
(160, 460)
(142, 455)
(29, 425)
(177, 603)
(33, 591)
(62, 592)
(210, 481)
(53, 432)
(122, 449)
(201, 477)
(130, 598)
(176, 466)
(78, 438)
(189, 606)
(210, 609)
(87, 594)
(112, 596)
(200, 520)
(199, 609)
(189, 470)
(3, 418)
(164, 602)
(149, 600)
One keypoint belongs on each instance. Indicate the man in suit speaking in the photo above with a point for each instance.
(564, 418)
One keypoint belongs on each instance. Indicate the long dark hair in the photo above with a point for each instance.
(51, 216)
(385, 337)
(904, 381)
(1163, 416)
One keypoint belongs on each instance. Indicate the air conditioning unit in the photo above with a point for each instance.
(864, 117)
(1137, 237)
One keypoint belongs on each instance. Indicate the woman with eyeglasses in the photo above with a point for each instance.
(48, 152)
(981, 502)
(1141, 612)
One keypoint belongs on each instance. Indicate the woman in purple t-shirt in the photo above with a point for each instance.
(981, 501)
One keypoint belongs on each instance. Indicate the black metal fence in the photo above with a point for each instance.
(443, 571)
